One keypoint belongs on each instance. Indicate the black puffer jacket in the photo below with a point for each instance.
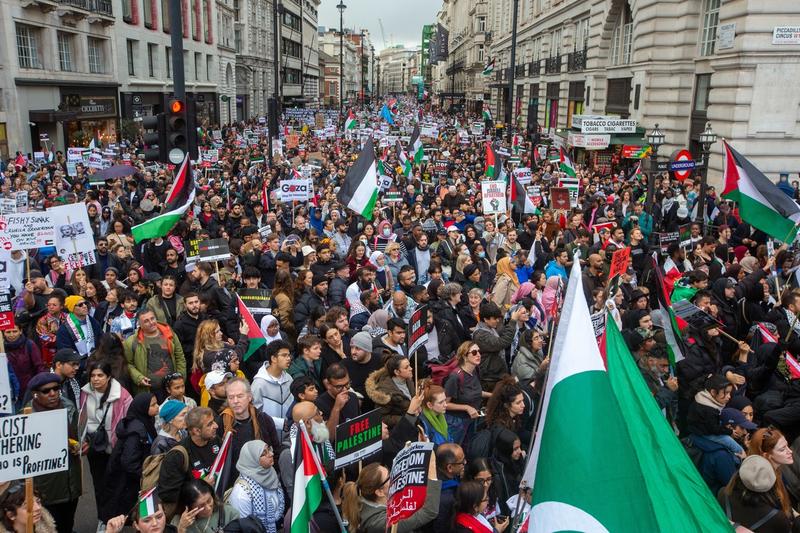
(124, 471)
(449, 330)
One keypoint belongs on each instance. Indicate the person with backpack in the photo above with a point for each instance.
(258, 491)
(464, 393)
(173, 427)
(135, 434)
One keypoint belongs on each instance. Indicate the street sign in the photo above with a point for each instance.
(682, 164)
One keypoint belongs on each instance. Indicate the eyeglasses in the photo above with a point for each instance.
(48, 390)
(484, 480)
(341, 387)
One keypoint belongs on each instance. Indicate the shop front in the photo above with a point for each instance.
(207, 109)
(605, 144)
(96, 115)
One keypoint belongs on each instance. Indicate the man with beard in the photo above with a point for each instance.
(338, 403)
(406, 279)
(172, 266)
(368, 303)
(324, 263)
(419, 258)
(360, 365)
(186, 325)
(365, 281)
(308, 414)
(310, 300)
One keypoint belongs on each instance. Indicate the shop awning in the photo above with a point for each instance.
(51, 115)
(630, 139)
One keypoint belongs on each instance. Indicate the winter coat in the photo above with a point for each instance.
(747, 515)
(163, 443)
(66, 339)
(136, 354)
(503, 290)
(273, 396)
(26, 360)
(701, 359)
(156, 306)
(124, 470)
(185, 328)
(67, 485)
(45, 525)
(717, 464)
(337, 291)
(300, 367)
(307, 302)
(492, 346)
(449, 329)
(373, 515)
(115, 409)
(526, 363)
(284, 312)
(703, 417)
(382, 390)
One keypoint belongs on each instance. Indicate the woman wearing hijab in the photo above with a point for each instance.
(549, 295)
(505, 284)
(383, 278)
(135, 435)
(377, 323)
(723, 294)
(258, 491)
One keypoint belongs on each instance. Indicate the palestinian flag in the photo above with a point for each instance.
(148, 503)
(179, 199)
(681, 500)
(218, 466)
(350, 123)
(487, 114)
(520, 201)
(638, 175)
(565, 164)
(488, 68)
(405, 162)
(415, 143)
(308, 476)
(359, 191)
(255, 336)
(516, 143)
(665, 317)
(494, 163)
(791, 361)
(571, 489)
(761, 203)
(265, 196)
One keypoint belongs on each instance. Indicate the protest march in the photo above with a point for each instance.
(397, 320)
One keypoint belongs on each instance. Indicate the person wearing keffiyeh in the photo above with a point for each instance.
(258, 490)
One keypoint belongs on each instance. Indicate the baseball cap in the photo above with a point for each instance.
(215, 377)
(66, 355)
(735, 417)
(308, 250)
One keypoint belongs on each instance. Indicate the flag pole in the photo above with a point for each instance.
(323, 475)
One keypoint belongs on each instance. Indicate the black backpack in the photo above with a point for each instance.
(482, 444)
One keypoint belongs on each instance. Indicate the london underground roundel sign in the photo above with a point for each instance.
(681, 164)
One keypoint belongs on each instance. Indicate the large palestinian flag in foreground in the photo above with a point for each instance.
(520, 201)
(178, 200)
(307, 494)
(761, 203)
(359, 191)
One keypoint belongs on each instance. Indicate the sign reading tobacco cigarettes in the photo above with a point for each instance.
(33, 445)
(358, 438)
(408, 486)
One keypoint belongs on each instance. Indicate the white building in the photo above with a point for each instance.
(57, 74)
(253, 41)
(398, 65)
(678, 64)
(329, 43)
(226, 52)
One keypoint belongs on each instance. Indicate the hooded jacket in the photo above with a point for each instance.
(493, 345)
(382, 390)
(273, 396)
(526, 363)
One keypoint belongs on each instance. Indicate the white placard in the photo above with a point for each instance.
(523, 175)
(6, 397)
(786, 35)
(8, 206)
(605, 125)
(5, 275)
(26, 230)
(493, 194)
(384, 182)
(300, 190)
(34, 444)
(589, 142)
(73, 231)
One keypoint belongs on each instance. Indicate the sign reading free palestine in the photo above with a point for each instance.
(358, 438)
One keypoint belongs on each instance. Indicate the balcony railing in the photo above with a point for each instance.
(534, 68)
(80, 4)
(576, 61)
(552, 65)
(519, 71)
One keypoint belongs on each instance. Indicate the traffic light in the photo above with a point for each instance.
(155, 138)
(177, 140)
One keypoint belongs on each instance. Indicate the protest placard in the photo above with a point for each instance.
(74, 261)
(534, 192)
(213, 250)
(694, 316)
(20, 231)
(493, 194)
(408, 485)
(665, 239)
(22, 201)
(358, 438)
(192, 250)
(257, 302)
(599, 322)
(384, 183)
(72, 229)
(685, 232)
(523, 175)
(417, 328)
(6, 396)
(619, 262)
(33, 445)
(559, 198)
(6, 312)
(392, 197)
(296, 189)
(8, 206)
(5, 273)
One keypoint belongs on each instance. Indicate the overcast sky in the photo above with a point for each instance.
(402, 19)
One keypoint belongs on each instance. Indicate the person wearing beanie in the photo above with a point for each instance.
(315, 297)
(360, 365)
(172, 416)
(79, 332)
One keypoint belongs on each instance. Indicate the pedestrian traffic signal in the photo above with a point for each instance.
(155, 138)
(177, 141)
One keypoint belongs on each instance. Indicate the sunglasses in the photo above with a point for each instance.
(474, 352)
(81, 304)
(48, 390)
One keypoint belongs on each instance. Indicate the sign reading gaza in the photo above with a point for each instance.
(32, 445)
(358, 438)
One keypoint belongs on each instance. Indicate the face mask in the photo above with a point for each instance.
(481, 254)
(387, 232)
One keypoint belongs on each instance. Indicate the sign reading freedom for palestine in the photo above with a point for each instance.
(358, 438)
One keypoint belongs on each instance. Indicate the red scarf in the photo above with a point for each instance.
(473, 524)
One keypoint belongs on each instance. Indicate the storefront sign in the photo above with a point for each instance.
(408, 486)
(577, 120)
(682, 164)
(494, 197)
(605, 125)
(786, 35)
(358, 438)
(33, 445)
(21, 231)
(589, 142)
(98, 106)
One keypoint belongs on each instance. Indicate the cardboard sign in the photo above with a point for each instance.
(358, 438)
(292, 141)
(26, 230)
(559, 198)
(441, 168)
(665, 239)
(694, 316)
(214, 250)
(408, 486)
(534, 192)
(295, 190)
(257, 301)
(33, 445)
(494, 197)
(417, 334)
(619, 262)
(6, 312)
(73, 229)
(599, 323)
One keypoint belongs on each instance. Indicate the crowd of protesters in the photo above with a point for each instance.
(146, 350)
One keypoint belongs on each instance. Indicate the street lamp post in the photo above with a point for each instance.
(655, 139)
(509, 109)
(341, 7)
(707, 138)
(403, 82)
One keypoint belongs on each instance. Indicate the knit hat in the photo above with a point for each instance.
(362, 340)
(71, 301)
(470, 270)
(757, 473)
(171, 409)
(317, 279)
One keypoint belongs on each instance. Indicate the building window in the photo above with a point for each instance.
(708, 39)
(97, 60)
(28, 46)
(65, 51)
(207, 33)
(481, 24)
(127, 11)
(575, 102)
(621, 38)
(291, 20)
(198, 59)
(701, 93)
(152, 50)
(131, 47)
(237, 40)
(551, 111)
(618, 97)
(209, 66)
(291, 76)
(480, 53)
(168, 60)
(581, 35)
(291, 48)
(555, 43)
(164, 15)
(195, 20)
(148, 13)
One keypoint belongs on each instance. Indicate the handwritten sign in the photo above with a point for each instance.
(408, 486)
(358, 438)
(26, 230)
(33, 445)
